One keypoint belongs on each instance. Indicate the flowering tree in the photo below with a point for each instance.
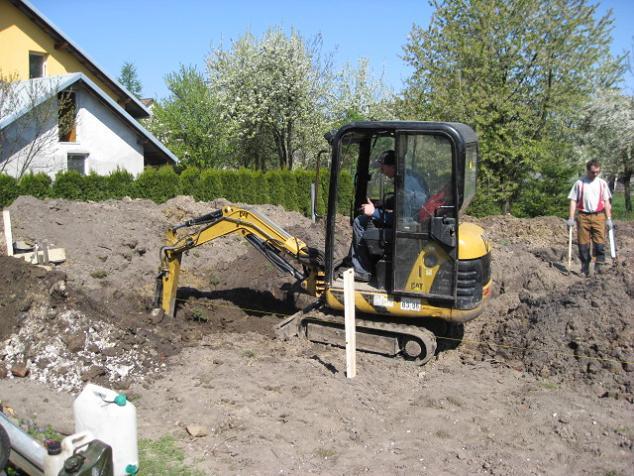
(609, 135)
(273, 93)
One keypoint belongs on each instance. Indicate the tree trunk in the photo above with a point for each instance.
(279, 145)
(626, 188)
(289, 145)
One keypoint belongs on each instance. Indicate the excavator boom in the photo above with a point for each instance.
(278, 246)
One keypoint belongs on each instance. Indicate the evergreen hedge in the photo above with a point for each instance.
(8, 190)
(37, 185)
(290, 189)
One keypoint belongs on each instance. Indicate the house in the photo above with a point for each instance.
(61, 111)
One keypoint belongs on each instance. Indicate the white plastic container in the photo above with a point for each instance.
(53, 463)
(112, 419)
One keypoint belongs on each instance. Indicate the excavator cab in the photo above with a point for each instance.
(425, 262)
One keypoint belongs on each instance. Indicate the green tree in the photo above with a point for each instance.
(129, 78)
(189, 121)
(273, 95)
(518, 71)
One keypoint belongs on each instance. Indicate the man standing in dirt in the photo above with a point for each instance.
(590, 198)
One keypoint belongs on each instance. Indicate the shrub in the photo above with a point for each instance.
(324, 190)
(276, 187)
(482, 206)
(120, 183)
(210, 185)
(37, 185)
(344, 193)
(8, 190)
(95, 187)
(157, 185)
(231, 186)
(69, 184)
(303, 180)
(247, 184)
(545, 193)
(261, 188)
(190, 181)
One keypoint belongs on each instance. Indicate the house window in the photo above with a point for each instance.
(37, 65)
(66, 116)
(76, 162)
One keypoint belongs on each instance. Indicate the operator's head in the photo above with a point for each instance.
(593, 169)
(387, 163)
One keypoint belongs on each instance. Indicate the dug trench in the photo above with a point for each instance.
(540, 383)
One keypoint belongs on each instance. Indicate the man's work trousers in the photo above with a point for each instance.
(591, 230)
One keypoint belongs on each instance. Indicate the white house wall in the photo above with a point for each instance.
(103, 136)
(110, 142)
(31, 145)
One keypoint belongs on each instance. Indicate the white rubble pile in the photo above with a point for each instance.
(40, 346)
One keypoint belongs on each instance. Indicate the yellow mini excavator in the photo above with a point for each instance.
(426, 265)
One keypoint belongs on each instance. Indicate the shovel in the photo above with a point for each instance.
(569, 248)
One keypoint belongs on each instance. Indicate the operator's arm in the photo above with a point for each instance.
(572, 208)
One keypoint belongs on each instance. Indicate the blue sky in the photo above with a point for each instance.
(159, 35)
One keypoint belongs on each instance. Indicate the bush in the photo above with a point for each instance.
(37, 185)
(483, 205)
(344, 193)
(276, 189)
(190, 181)
(157, 185)
(8, 190)
(303, 179)
(322, 193)
(247, 184)
(261, 189)
(210, 185)
(95, 187)
(69, 184)
(546, 192)
(290, 193)
(231, 186)
(119, 184)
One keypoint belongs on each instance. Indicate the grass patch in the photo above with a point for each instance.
(618, 208)
(42, 434)
(249, 354)
(325, 453)
(198, 315)
(99, 274)
(548, 385)
(163, 458)
(442, 434)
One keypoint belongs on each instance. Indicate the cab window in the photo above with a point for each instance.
(427, 187)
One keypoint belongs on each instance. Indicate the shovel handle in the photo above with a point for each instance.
(569, 248)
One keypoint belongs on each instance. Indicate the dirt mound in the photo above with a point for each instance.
(552, 323)
(579, 333)
(542, 319)
(23, 287)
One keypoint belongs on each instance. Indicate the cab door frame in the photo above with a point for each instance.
(445, 224)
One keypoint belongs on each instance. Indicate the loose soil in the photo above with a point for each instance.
(540, 383)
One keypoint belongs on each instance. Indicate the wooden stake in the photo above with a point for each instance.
(351, 331)
(8, 236)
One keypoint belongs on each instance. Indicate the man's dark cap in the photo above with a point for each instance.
(387, 157)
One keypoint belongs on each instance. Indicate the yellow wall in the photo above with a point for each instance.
(19, 36)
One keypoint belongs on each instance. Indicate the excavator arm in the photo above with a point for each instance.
(267, 237)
